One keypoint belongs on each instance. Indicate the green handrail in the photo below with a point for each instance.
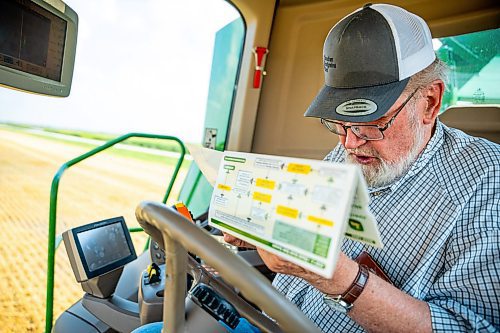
(49, 310)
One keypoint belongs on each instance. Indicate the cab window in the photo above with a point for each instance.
(474, 63)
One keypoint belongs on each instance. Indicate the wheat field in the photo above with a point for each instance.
(102, 187)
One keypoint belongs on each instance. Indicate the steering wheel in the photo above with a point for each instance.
(178, 235)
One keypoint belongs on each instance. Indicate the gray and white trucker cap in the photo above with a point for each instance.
(369, 57)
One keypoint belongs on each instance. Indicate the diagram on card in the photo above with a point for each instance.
(299, 209)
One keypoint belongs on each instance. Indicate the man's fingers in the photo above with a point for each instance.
(236, 241)
(229, 239)
(232, 240)
(279, 265)
(273, 262)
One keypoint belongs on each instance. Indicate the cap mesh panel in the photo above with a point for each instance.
(408, 28)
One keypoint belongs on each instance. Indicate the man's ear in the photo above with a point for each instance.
(433, 95)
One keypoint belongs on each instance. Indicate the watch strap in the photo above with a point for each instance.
(358, 285)
(344, 302)
(366, 259)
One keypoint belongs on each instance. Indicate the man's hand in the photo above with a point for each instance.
(341, 280)
(236, 241)
(279, 265)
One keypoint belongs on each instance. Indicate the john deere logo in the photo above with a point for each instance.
(356, 107)
(356, 225)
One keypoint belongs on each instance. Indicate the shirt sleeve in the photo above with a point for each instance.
(466, 295)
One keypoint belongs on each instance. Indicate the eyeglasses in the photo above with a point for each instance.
(364, 132)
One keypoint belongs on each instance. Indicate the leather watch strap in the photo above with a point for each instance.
(364, 258)
(358, 285)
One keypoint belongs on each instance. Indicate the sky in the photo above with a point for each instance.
(141, 66)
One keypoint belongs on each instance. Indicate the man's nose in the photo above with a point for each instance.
(352, 141)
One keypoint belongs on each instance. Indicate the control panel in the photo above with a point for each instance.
(157, 253)
(151, 293)
(206, 297)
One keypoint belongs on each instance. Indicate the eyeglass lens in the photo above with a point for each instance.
(363, 132)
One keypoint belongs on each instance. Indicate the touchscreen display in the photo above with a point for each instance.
(103, 246)
(31, 39)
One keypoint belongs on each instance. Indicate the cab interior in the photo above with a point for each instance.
(268, 118)
(263, 117)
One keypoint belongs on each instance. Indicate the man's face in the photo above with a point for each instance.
(385, 160)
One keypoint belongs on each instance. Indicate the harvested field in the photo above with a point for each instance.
(102, 187)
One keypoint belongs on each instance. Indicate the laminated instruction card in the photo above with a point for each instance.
(299, 209)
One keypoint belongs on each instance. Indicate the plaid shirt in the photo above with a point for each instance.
(441, 232)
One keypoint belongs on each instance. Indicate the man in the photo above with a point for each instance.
(435, 191)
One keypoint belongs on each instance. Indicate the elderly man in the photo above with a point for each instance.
(435, 191)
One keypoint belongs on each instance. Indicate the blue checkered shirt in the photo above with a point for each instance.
(441, 232)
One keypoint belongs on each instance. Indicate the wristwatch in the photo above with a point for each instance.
(344, 303)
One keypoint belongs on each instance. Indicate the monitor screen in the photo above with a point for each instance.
(103, 246)
(37, 46)
(31, 39)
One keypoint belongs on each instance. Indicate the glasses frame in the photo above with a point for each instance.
(330, 124)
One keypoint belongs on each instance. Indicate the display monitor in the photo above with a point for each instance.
(37, 46)
(98, 248)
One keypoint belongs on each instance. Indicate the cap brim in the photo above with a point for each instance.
(355, 105)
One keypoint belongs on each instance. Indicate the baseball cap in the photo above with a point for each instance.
(368, 59)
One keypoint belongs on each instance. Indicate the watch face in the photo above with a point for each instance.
(337, 304)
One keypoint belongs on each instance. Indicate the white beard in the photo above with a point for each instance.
(387, 172)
